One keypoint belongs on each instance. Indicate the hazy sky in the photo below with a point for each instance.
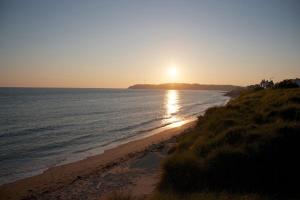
(85, 43)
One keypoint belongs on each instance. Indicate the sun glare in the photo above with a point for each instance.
(172, 72)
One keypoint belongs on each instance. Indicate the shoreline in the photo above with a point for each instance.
(101, 150)
(59, 176)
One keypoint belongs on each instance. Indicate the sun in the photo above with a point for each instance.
(172, 72)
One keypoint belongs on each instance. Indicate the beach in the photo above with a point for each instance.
(130, 165)
(149, 100)
(44, 128)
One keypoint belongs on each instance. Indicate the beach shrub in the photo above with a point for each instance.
(289, 83)
(121, 195)
(249, 145)
(182, 170)
(208, 196)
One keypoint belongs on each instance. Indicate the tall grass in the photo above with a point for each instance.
(207, 196)
(250, 145)
(246, 150)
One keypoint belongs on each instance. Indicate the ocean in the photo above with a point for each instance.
(42, 128)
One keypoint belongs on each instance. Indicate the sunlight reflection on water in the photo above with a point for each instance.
(172, 101)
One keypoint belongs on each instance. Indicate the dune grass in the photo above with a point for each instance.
(122, 195)
(191, 196)
(249, 145)
(207, 196)
(248, 149)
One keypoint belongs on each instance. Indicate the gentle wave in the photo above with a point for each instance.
(136, 133)
(25, 132)
(138, 125)
(41, 128)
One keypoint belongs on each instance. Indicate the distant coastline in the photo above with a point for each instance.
(185, 86)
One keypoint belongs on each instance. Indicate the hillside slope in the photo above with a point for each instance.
(250, 145)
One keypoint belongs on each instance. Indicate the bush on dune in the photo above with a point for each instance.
(249, 145)
(192, 196)
(207, 196)
(121, 195)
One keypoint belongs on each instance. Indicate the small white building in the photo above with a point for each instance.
(266, 84)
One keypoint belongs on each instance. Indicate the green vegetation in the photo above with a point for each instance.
(248, 149)
(192, 196)
(122, 196)
(207, 196)
(249, 145)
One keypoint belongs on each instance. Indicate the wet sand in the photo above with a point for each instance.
(134, 166)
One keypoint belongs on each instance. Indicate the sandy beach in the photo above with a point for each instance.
(133, 166)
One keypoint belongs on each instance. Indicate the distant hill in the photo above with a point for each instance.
(185, 86)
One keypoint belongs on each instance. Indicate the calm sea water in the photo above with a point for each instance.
(41, 128)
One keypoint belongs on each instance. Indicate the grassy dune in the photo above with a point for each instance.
(248, 149)
(250, 145)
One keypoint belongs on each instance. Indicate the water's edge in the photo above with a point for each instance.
(85, 153)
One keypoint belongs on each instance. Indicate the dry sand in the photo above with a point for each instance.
(134, 166)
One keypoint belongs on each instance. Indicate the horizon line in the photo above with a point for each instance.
(59, 87)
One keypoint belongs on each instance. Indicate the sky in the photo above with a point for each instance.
(117, 43)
